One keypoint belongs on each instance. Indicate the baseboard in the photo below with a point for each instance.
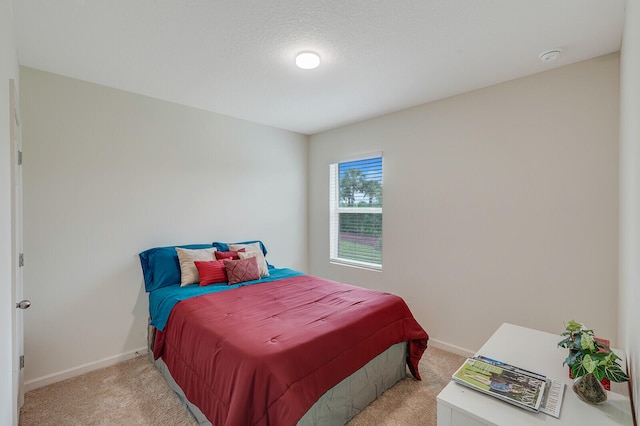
(439, 344)
(82, 369)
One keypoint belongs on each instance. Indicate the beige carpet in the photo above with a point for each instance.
(134, 393)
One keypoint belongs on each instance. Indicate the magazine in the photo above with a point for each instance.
(553, 393)
(552, 399)
(515, 386)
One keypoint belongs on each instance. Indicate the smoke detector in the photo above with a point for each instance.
(550, 55)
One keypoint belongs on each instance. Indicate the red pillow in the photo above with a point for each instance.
(242, 270)
(228, 254)
(211, 271)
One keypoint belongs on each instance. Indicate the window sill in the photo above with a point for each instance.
(356, 264)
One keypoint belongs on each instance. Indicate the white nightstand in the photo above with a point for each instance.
(535, 351)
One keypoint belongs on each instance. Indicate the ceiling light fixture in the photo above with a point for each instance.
(550, 55)
(307, 60)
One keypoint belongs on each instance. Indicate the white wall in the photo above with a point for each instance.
(500, 205)
(630, 194)
(108, 174)
(8, 70)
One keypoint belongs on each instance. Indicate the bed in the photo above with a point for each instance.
(283, 348)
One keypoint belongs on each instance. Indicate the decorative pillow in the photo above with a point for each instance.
(211, 271)
(233, 255)
(242, 270)
(247, 247)
(225, 246)
(188, 271)
(160, 265)
(262, 263)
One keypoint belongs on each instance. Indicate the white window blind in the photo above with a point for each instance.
(355, 224)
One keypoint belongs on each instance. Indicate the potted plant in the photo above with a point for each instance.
(590, 361)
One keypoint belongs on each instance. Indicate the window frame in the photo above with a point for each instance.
(335, 210)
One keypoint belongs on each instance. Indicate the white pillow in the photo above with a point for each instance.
(262, 263)
(247, 247)
(186, 257)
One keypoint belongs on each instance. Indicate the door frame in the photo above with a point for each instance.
(16, 249)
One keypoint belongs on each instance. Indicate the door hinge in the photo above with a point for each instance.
(21, 362)
(19, 158)
(21, 260)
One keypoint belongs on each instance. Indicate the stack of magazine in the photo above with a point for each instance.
(517, 386)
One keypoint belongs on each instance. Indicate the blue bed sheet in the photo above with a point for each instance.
(162, 300)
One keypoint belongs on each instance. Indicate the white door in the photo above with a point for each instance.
(16, 243)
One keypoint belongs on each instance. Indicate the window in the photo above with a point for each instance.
(355, 223)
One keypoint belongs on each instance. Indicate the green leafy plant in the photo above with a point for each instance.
(587, 355)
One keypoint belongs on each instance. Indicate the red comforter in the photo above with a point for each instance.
(263, 354)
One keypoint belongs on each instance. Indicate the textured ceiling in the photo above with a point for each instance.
(237, 57)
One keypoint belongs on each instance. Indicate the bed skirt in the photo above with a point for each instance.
(340, 403)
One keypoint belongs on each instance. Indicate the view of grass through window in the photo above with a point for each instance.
(360, 211)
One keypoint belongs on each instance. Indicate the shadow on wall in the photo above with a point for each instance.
(137, 337)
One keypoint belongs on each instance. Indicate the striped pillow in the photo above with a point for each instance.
(211, 272)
